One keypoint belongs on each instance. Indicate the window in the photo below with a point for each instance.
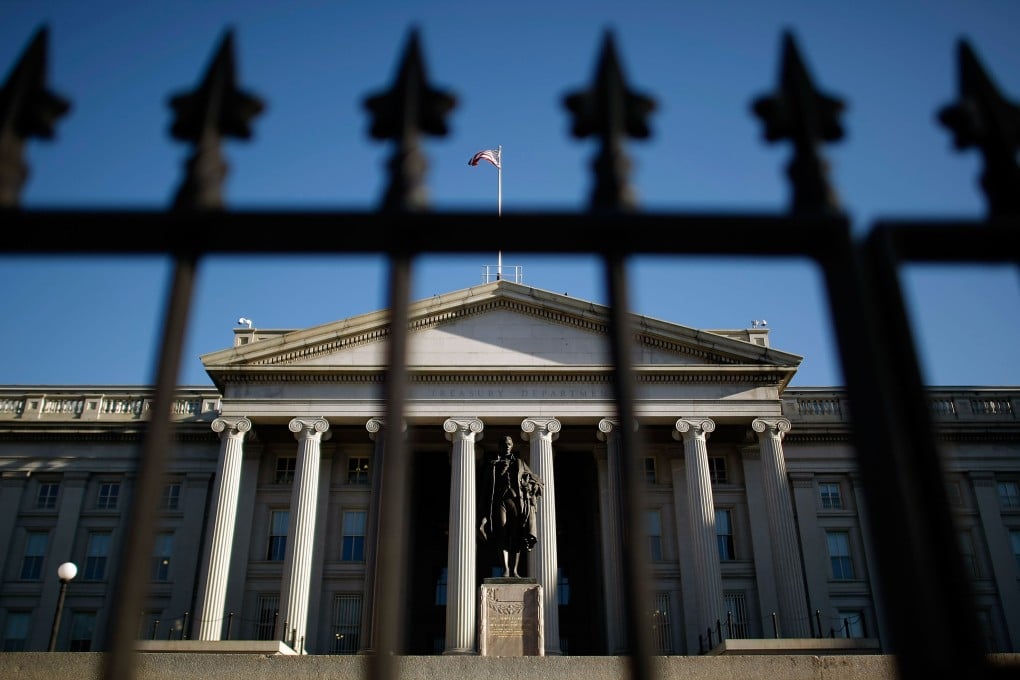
(662, 631)
(1009, 495)
(161, 552)
(830, 495)
(724, 534)
(1014, 537)
(736, 613)
(353, 542)
(172, 496)
(717, 469)
(346, 623)
(95, 557)
(15, 631)
(441, 583)
(653, 522)
(83, 626)
(851, 623)
(357, 470)
(35, 553)
(285, 466)
(277, 549)
(268, 610)
(562, 587)
(108, 493)
(47, 497)
(649, 470)
(839, 555)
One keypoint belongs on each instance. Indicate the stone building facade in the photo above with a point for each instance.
(755, 522)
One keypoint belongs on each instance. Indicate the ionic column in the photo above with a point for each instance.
(609, 432)
(377, 433)
(461, 607)
(224, 517)
(701, 514)
(543, 561)
(297, 566)
(794, 617)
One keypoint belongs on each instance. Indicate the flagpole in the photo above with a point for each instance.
(499, 203)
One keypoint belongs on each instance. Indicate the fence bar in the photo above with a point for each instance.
(132, 582)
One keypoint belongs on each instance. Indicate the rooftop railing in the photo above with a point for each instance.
(921, 572)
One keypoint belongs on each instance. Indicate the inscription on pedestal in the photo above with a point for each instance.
(510, 623)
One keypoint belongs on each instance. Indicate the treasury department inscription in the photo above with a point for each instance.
(511, 393)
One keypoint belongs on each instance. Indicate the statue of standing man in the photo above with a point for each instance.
(513, 499)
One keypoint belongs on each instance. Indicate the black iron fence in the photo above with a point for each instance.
(921, 571)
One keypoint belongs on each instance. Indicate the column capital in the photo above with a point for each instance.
(776, 427)
(306, 428)
(541, 425)
(607, 426)
(697, 428)
(230, 426)
(462, 426)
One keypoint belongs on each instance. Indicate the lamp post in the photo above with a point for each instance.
(65, 572)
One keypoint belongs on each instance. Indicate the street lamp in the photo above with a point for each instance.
(65, 572)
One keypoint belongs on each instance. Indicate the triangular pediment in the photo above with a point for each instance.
(497, 326)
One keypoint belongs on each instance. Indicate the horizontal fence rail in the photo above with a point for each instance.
(921, 572)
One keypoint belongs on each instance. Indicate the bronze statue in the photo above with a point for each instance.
(513, 499)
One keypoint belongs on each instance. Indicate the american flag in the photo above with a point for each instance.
(490, 155)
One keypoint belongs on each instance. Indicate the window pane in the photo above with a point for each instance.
(108, 493)
(83, 625)
(277, 549)
(346, 623)
(353, 545)
(35, 553)
(47, 498)
(724, 534)
(830, 495)
(15, 631)
(161, 554)
(1009, 494)
(717, 469)
(171, 496)
(650, 470)
(357, 470)
(839, 555)
(653, 521)
(268, 609)
(285, 467)
(95, 556)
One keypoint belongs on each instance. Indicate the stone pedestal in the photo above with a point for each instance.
(510, 621)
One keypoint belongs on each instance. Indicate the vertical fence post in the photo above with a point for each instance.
(775, 626)
(818, 620)
(230, 623)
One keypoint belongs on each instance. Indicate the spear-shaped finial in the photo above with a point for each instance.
(982, 117)
(797, 111)
(610, 110)
(203, 116)
(27, 109)
(409, 109)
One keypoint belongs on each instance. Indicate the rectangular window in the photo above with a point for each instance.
(35, 553)
(830, 496)
(441, 584)
(353, 541)
(724, 534)
(172, 496)
(95, 556)
(346, 623)
(662, 630)
(357, 470)
(1009, 495)
(16, 631)
(285, 467)
(650, 470)
(268, 611)
(653, 522)
(161, 553)
(562, 587)
(851, 624)
(83, 627)
(108, 494)
(717, 469)
(839, 555)
(736, 613)
(47, 497)
(277, 549)
(1014, 537)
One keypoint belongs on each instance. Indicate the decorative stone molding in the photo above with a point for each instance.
(309, 427)
(701, 427)
(777, 427)
(463, 427)
(227, 426)
(541, 425)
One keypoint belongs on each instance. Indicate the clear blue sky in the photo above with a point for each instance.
(76, 321)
